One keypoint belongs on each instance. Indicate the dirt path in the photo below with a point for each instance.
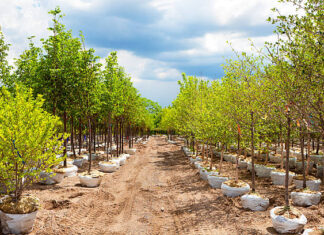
(156, 192)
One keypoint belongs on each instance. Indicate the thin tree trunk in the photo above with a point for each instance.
(308, 152)
(72, 137)
(221, 160)
(65, 140)
(302, 155)
(117, 138)
(323, 160)
(89, 145)
(106, 140)
(267, 154)
(133, 137)
(109, 136)
(122, 136)
(317, 145)
(287, 161)
(259, 152)
(237, 158)
(252, 148)
(94, 136)
(282, 153)
(211, 157)
(203, 151)
(80, 135)
(130, 137)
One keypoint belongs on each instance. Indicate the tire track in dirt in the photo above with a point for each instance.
(133, 187)
(130, 192)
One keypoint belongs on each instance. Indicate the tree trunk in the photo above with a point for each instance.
(72, 137)
(221, 160)
(133, 138)
(252, 149)
(287, 161)
(302, 155)
(308, 152)
(267, 154)
(80, 135)
(121, 137)
(94, 136)
(106, 140)
(65, 140)
(281, 147)
(211, 157)
(237, 158)
(203, 151)
(117, 138)
(130, 137)
(317, 145)
(89, 145)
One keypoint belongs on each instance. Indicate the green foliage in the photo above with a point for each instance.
(5, 69)
(29, 141)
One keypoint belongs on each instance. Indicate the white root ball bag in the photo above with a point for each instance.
(70, 171)
(313, 185)
(305, 199)
(122, 160)
(89, 181)
(249, 166)
(310, 231)
(317, 158)
(292, 162)
(115, 160)
(263, 171)
(204, 173)
(233, 159)
(51, 178)
(234, 191)
(216, 181)
(274, 159)
(299, 166)
(197, 164)
(254, 202)
(17, 223)
(78, 162)
(227, 157)
(242, 164)
(126, 155)
(319, 172)
(108, 168)
(285, 225)
(278, 178)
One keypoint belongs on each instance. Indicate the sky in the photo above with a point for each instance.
(156, 40)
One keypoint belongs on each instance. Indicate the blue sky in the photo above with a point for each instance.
(156, 40)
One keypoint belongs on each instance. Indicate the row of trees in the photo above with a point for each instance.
(264, 100)
(92, 100)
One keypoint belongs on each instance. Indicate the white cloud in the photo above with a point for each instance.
(213, 46)
(21, 19)
(142, 68)
(178, 13)
(154, 77)
(143, 73)
(162, 92)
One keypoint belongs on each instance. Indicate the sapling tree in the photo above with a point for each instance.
(89, 76)
(29, 140)
(245, 75)
(298, 53)
(5, 68)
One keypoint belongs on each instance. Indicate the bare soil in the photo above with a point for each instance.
(156, 192)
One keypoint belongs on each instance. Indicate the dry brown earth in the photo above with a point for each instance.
(156, 192)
